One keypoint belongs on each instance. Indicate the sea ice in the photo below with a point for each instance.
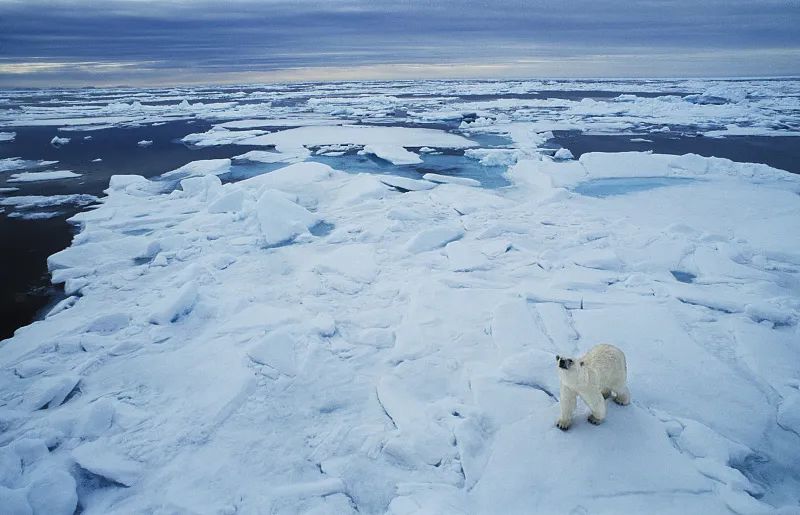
(7, 136)
(402, 359)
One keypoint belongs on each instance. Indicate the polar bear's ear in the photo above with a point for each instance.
(558, 358)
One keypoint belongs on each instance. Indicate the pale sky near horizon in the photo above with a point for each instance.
(148, 42)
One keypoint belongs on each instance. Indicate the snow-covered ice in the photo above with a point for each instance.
(311, 340)
(7, 136)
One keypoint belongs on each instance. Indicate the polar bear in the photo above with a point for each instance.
(594, 377)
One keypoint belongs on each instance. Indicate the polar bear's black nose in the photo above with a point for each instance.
(562, 363)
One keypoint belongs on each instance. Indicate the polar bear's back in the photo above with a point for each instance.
(608, 364)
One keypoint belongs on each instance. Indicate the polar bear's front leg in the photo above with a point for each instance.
(597, 404)
(568, 401)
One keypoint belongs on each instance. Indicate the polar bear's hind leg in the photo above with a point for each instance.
(623, 396)
(597, 404)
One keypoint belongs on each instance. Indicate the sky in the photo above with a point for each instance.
(149, 42)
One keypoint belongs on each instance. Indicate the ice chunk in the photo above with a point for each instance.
(264, 156)
(58, 141)
(42, 176)
(202, 187)
(145, 143)
(51, 392)
(463, 181)
(53, 493)
(7, 136)
(97, 419)
(230, 202)
(493, 156)
(14, 501)
(109, 323)
(404, 183)
(280, 219)
(201, 167)
(100, 459)
(176, 304)
(355, 262)
(29, 451)
(276, 350)
(465, 257)
(10, 164)
(127, 183)
(563, 154)
(395, 154)
(435, 238)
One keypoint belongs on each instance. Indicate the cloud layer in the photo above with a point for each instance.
(145, 41)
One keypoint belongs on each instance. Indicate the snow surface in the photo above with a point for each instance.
(316, 341)
(42, 176)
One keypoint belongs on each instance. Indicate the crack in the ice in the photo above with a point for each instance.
(671, 491)
(535, 386)
(385, 411)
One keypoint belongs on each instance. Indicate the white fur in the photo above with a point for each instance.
(594, 377)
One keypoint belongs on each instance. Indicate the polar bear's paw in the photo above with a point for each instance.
(563, 424)
(594, 420)
(623, 397)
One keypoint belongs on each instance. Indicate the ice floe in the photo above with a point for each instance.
(366, 343)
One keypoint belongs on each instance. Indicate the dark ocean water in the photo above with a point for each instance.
(26, 292)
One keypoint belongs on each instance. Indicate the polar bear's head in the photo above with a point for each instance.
(572, 371)
(565, 363)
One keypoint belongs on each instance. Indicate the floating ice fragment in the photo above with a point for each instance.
(145, 143)
(395, 154)
(7, 136)
(404, 183)
(58, 141)
(42, 176)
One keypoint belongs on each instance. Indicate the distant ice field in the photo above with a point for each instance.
(349, 296)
